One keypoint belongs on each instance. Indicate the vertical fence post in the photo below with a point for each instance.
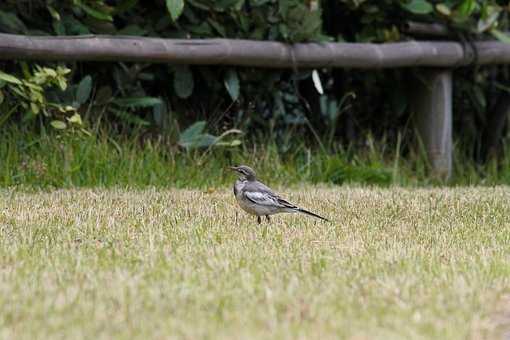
(432, 105)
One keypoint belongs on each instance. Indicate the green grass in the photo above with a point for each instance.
(152, 263)
(109, 160)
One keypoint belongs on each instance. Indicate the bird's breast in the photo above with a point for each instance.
(238, 187)
(246, 205)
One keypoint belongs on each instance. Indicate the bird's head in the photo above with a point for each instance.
(245, 172)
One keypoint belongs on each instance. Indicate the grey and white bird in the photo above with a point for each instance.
(257, 199)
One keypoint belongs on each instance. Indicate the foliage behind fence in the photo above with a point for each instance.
(161, 99)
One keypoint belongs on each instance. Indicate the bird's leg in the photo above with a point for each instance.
(268, 219)
(259, 219)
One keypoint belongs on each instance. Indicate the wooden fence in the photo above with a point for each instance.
(432, 99)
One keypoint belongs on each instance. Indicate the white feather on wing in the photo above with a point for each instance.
(267, 199)
(262, 198)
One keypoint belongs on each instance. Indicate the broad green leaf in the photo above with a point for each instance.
(10, 79)
(200, 141)
(48, 72)
(175, 8)
(10, 23)
(72, 26)
(443, 9)
(75, 119)
(93, 12)
(35, 108)
(137, 102)
(489, 19)
(84, 90)
(61, 108)
(501, 36)
(183, 82)
(58, 124)
(54, 14)
(466, 8)
(232, 84)
(132, 30)
(62, 83)
(192, 132)
(419, 7)
(63, 70)
(194, 137)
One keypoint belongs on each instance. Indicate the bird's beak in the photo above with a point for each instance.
(234, 168)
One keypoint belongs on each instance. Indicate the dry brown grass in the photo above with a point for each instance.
(395, 263)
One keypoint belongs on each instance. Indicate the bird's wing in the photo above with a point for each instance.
(262, 198)
(285, 203)
(258, 193)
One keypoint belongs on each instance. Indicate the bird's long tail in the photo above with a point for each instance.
(311, 214)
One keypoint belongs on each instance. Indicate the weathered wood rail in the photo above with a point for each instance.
(251, 52)
(432, 99)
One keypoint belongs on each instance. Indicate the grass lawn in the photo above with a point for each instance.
(153, 264)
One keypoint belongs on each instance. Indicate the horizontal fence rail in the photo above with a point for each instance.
(267, 54)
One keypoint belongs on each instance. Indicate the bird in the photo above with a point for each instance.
(257, 199)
